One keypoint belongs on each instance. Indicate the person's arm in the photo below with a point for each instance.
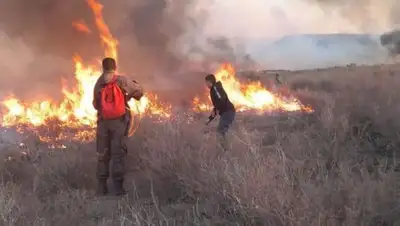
(220, 97)
(95, 94)
(224, 96)
(214, 103)
(131, 87)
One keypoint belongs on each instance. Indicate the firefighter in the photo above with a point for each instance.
(222, 107)
(111, 95)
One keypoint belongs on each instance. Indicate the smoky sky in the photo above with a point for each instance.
(151, 38)
(380, 17)
(160, 41)
(366, 15)
(38, 44)
(46, 25)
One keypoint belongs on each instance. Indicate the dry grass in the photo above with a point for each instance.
(336, 167)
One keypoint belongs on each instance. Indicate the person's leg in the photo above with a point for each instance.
(118, 153)
(225, 122)
(103, 157)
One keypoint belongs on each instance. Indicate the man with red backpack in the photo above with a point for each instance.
(111, 95)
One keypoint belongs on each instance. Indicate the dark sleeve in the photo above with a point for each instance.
(218, 97)
(95, 94)
(224, 96)
(213, 101)
(130, 87)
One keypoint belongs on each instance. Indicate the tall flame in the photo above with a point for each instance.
(109, 42)
(74, 117)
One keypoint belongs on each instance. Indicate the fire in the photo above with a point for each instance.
(109, 42)
(151, 105)
(81, 26)
(74, 118)
(252, 96)
(75, 112)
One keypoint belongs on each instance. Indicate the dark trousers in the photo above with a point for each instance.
(225, 122)
(111, 147)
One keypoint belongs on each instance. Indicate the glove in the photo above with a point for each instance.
(137, 95)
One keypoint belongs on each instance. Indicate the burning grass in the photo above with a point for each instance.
(336, 167)
(74, 119)
(75, 111)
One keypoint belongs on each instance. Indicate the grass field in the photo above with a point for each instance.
(334, 167)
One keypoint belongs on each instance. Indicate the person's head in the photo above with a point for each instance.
(210, 80)
(109, 64)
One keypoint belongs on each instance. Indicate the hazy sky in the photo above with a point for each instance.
(272, 18)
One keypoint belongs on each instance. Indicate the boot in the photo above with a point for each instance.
(119, 187)
(102, 189)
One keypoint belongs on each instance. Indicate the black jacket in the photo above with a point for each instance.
(220, 99)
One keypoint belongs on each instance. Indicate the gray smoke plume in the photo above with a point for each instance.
(168, 44)
(152, 39)
(370, 16)
(365, 15)
(46, 25)
(279, 35)
(391, 40)
(38, 41)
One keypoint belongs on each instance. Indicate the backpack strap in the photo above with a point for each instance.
(114, 78)
(103, 83)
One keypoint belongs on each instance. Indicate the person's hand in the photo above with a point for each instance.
(214, 113)
(137, 95)
(210, 118)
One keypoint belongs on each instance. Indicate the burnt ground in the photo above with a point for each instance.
(336, 166)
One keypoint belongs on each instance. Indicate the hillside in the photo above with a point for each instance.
(306, 51)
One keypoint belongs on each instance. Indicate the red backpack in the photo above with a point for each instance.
(112, 101)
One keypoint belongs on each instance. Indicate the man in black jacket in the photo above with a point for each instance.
(222, 107)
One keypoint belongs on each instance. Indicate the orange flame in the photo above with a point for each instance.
(109, 42)
(252, 96)
(74, 118)
(81, 26)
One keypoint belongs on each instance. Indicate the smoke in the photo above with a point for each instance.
(46, 25)
(153, 37)
(28, 74)
(391, 40)
(161, 42)
(274, 19)
(167, 44)
(278, 33)
(298, 52)
(364, 15)
(38, 40)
